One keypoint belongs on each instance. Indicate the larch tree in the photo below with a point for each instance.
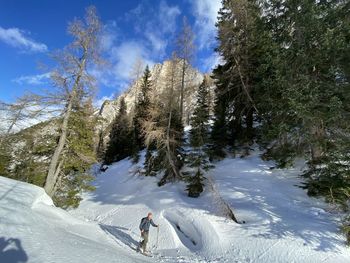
(164, 129)
(185, 52)
(135, 75)
(72, 82)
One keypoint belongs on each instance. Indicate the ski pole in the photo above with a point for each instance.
(157, 237)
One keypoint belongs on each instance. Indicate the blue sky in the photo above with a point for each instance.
(31, 29)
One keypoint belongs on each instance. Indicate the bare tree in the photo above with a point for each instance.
(158, 128)
(19, 114)
(185, 51)
(72, 82)
(135, 75)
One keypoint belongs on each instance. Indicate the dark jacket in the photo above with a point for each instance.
(145, 224)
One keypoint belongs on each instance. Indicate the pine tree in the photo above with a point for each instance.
(78, 157)
(199, 137)
(286, 66)
(141, 111)
(195, 184)
(237, 79)
(185, 52)
(308, 104)
(119, 146)
(219, 133)
(149, 164)
(200, 119)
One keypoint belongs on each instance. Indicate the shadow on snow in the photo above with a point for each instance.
(11, 251)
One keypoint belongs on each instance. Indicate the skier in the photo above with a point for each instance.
(144, 228)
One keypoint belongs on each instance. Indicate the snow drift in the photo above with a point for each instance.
(33, 230)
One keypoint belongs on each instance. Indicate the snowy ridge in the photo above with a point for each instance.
(282, 223)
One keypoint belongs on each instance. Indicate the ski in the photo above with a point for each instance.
(146, 254)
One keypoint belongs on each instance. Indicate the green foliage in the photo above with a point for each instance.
(199, 137)
(219, 130)
(346, 229)
(5, 157)
(331, 176)
(244, 43)
(150, 164)
(78, 157)
(283, 154)
(195, 184)
(200, 120)
(288, 62)
(29, 157)
(119, 146)
(289, 65)
(141, 113)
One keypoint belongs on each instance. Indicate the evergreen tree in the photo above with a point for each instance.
(219, 131)
(200, 119)
(241, 43)
(286, 66)
(141, 111)
(149, 165)
(199, 136)
(195, 184)
(79, 155)
(309, 105)
(119, 146)
(5, 157)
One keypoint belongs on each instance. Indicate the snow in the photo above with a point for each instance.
(282, 224)
(33, 230)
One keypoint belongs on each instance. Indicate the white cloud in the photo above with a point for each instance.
(159, 44)
(17, 38)
(211, 62)
(156, 24)
(109, 35)
(167, 17)
(122, 58)
(206, 12)
(125, 56)
(33, 79)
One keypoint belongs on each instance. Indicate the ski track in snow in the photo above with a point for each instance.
(282, 223)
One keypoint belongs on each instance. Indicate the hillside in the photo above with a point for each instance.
(282, 223)
(159, 78)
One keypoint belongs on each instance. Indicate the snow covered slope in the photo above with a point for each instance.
(282, 223)
(33, 230)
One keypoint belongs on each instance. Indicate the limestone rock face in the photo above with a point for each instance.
(159, 73)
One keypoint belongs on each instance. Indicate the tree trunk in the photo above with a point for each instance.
(168, 149)
(317, 133)
(182, 88)
(14, 121)
(249, 124)
(52, 174)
